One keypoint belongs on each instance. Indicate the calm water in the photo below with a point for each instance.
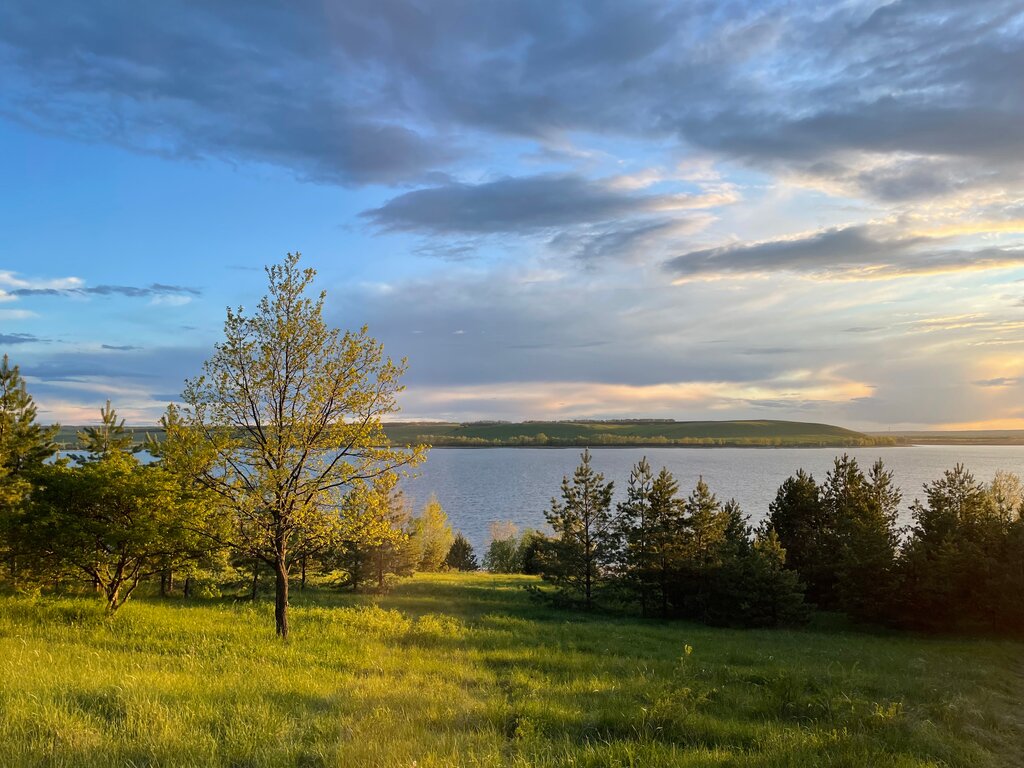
(478, 486)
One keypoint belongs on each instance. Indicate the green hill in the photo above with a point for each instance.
(630, 432)
(638, 432)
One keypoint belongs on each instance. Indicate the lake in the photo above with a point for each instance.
(478, 486)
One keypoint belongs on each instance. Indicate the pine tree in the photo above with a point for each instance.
(24, 446)
(108, 437)
(807, 534)
(24, 443)
(952, 566)
(704, 527)
(460, 555)
(635, 549)
(584, 539)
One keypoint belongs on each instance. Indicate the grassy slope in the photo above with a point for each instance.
(464, 670)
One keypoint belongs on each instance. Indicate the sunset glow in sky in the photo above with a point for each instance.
(554, 210)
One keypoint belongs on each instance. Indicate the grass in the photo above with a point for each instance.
(464, 670)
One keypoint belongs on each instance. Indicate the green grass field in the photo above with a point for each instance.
(465, 670)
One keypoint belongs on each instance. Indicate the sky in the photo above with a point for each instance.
(695, 210)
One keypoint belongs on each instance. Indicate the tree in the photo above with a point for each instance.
(584, 535)
(460, 555)
(112, 519)
(24, 446)
(107, 437)
(504, 554)
(290, 411)
(634, 545)
(958, 564)
(704, 528)
(24, 443)
(432, 535)
(807, 535)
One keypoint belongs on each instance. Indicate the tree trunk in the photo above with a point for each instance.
(281, 600)
(255, 578)
(188, 587)
(113, 597)
(302, 584)
(164, 588)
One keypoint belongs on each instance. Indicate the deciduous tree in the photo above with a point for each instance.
(291, 411)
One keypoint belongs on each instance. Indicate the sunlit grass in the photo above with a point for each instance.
(466, 670)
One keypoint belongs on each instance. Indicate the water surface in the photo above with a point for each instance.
(478, 486)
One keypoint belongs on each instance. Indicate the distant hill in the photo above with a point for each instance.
(627, 432)
(640, 432)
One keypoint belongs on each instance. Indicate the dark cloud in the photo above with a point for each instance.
(288, 86)
(155, 289)
(523, 204)
(20, 338)
(841, 252)
(368, 92)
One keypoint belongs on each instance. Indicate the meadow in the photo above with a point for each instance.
(468, 670)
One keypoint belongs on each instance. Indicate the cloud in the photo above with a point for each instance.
(1000, 381)
(364, 92)
(842, 253)
(20, 338)
(278, 86)
(516, 205)
(119, 347)
(73, 286)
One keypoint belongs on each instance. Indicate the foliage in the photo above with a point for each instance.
(111, 519)
(460, 555)
(584, 540)
(962, 566)
(290, 411)
(373, 543)
(24, 443)
(510, 551)
(841, 537)
(432, 535)
(109, 436)
(24, 446)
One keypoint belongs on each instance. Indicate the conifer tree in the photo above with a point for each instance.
(704, 528)
(807, 534)
(584, 540)
(107, 437)
(24, 443)
(460, 555)
(952, 566)
(24, 446)
(635, 539)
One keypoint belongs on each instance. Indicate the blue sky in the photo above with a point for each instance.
(600, 209)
